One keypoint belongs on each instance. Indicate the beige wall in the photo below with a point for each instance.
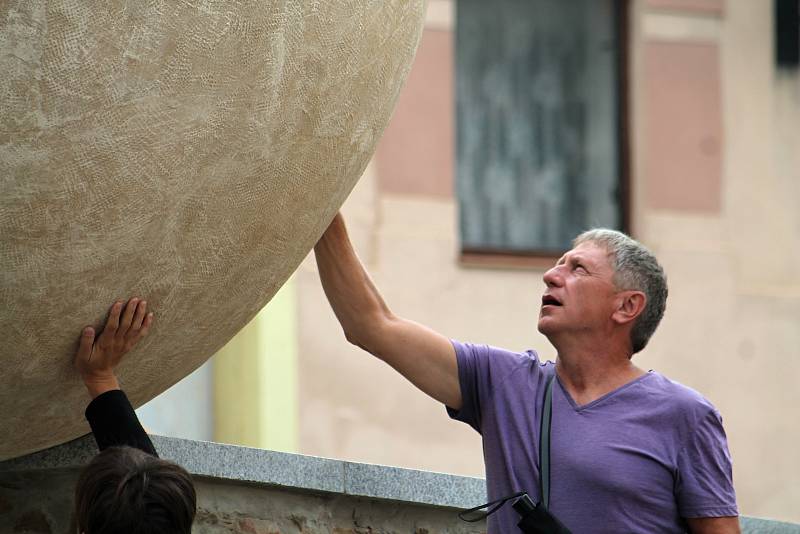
(731, 329)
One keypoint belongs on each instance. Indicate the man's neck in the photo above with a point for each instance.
(590, 371)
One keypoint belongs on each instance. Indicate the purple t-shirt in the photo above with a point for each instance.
(637, 459)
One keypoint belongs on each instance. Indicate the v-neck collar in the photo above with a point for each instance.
(581, 407)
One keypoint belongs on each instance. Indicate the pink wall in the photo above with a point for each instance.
(715, 7)
(416, 154)
(683, 136)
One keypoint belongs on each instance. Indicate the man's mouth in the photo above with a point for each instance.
(550, 300)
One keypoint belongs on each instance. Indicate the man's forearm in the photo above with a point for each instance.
(714, 525)
(423, 356)
(352, 295)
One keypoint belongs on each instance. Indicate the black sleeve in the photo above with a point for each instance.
(114, 423)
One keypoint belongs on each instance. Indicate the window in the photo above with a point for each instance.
(787, 33)
(538, 123)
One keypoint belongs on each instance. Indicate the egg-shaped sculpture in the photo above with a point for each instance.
(190, 153)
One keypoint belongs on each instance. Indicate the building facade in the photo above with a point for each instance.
(675, 120)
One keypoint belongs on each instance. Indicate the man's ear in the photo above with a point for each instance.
(630, 305)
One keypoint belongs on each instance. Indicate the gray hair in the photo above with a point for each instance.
(636, 268)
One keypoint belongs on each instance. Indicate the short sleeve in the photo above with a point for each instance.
(472, 359)
(705, 478)
(481, 368)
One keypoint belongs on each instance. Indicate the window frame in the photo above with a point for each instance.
(494, 257)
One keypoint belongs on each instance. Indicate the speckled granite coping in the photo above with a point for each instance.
(310, 473)
(292, 471)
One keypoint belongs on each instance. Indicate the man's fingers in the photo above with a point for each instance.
(112, 323)
(138, 318)
(148, 320)
(85, 345)
(127, 317)
(135, 335)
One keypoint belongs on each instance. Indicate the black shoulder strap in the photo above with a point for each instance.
(544, 444)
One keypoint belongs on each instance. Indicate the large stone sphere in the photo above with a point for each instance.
(190, 153)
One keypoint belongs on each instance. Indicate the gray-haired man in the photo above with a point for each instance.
(632, 451)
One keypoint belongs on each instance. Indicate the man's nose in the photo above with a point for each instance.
(552, 277)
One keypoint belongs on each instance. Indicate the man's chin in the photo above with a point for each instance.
(545, 326)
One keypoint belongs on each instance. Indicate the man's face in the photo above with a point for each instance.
(580, 293)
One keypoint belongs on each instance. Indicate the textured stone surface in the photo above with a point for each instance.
(754, 525)
(254, 465)
(394, 483)
(190, 153)
(249, 465)
(226, 508)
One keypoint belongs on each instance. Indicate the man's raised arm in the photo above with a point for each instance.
(423, 356)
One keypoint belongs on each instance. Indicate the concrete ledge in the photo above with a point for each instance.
(756, 525)
(241, 489)
(294, 471)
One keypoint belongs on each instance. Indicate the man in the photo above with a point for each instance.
(631, 450)
(125, 488)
